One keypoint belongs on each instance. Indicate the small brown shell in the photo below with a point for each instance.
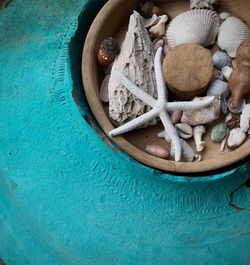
(233, 123)
(109, 48)
(239, 84)
(243, 53)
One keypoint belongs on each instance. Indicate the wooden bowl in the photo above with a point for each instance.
(113, 21)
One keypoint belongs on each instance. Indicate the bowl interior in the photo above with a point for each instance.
(113, 21)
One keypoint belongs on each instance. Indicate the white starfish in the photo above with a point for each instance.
(160, 107)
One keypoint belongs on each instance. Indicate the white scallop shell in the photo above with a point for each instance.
(232, 33)
(198, 26)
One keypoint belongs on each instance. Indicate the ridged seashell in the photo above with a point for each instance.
(198, 26)
(226, 72)
(187, 152)
(184, 130)
(176, 116)
(157, 151)
(219, 132)
(218, 88)
(224, 15)
(221, 59)
(239, 108)
(236, 138)
(245, 118)
(203, 4)
(104, 93)
(232, 33)
(202, 116)
(198, 132)
(159, 29)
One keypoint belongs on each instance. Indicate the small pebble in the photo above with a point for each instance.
(157, 151)
(219, 132)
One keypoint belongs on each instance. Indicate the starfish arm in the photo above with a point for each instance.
(172, 134)
(135, 90)
(131, 125)
(160, 82)
(188, 105)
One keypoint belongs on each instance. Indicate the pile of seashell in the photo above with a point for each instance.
(229, 113)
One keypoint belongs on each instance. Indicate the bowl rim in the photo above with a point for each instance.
(97, 109)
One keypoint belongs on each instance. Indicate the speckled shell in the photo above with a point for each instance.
(198, 26)
(202, 116)
(236, 138)
(245, 119)
(232, 33)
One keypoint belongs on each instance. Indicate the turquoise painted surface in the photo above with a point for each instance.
(67, 196)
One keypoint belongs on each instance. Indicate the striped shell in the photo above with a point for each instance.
(232, 33)
(198, 26)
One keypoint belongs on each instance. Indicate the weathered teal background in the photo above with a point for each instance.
(67, 196)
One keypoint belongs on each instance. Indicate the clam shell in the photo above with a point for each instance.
(236, 138)
(184, 130)
(104, 94)
(221, 59)
(198, 26)
(232, 33)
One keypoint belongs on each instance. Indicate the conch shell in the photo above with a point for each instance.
(239, 84)
(243, 54)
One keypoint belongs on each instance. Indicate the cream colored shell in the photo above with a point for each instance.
(198, 26)
(232, 33)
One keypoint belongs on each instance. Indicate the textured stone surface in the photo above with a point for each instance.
(67, 196)
(136, 61)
